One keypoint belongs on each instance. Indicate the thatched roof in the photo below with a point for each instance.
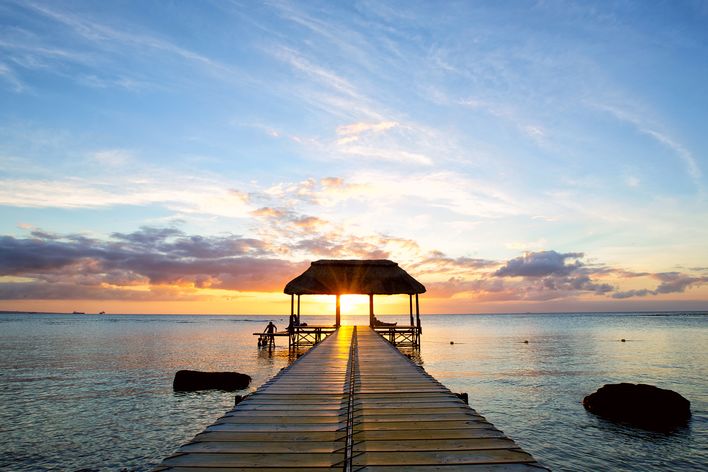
(331, 277)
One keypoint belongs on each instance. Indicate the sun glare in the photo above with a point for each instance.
(353, 304)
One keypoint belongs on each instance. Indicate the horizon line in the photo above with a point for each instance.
(664, 312)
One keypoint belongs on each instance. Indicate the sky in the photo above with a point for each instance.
(193, 157)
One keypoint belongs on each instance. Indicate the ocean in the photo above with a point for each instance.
(94, 392)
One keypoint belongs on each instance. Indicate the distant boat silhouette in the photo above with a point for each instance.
(78, 313)
(102, 313)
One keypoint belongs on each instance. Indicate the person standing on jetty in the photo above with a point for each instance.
(271, 328)
(267, 338)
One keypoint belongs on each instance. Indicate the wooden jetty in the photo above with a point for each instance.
(352, 403)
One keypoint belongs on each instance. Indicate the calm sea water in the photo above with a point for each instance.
(95, 392)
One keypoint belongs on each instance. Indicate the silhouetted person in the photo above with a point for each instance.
(271, 328)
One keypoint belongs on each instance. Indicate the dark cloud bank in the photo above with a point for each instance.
(174, 265)
(73, 266)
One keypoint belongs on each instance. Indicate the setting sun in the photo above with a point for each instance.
(354, 304)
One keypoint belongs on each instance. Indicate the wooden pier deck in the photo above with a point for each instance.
(352, 403)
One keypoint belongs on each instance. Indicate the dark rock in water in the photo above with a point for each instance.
(239, 398)
(190, 380)
(641, 405)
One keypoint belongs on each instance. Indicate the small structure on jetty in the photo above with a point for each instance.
(352, 277)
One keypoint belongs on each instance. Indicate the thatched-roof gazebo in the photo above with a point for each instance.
(363, 277)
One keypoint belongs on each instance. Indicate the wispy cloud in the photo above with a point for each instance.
(654, 131)
(383, 154)
(113, 157)
(352, 132)
(107, 54)
(9, 76)
(182, 195)
(323, 76)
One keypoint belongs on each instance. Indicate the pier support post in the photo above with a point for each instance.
(338, 318)
(291, 337)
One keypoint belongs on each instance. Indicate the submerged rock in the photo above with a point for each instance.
(641, 405)
(190, 380)
(239, 398)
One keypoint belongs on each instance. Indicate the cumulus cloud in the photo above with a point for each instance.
(341, 247)
(458, 285)
(539, 276)
(539, 264)
(673, 282)
(669, 282)
(151, 257)
(632, 293)
(332, 182)
(165, 263)
(41, 290)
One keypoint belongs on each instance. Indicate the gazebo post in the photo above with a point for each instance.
(417, 313)
(298, 309)
(338, 313)
(291, 338)
(410, 306)
(371, 310)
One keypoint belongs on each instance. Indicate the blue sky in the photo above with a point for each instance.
(458, 138)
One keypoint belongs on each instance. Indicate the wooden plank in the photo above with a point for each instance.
(453, 468)
(430, 425)
(263, 437)
(280, 419)
(275, 428)
(256, 460)
(412, 410)
(406, 434)
(270, 447)
(404, 445)
(245, 469)
(477, 456)
(417, 417)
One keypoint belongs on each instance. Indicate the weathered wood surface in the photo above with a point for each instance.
(353, 402)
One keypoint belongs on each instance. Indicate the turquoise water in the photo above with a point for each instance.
(95, 392)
